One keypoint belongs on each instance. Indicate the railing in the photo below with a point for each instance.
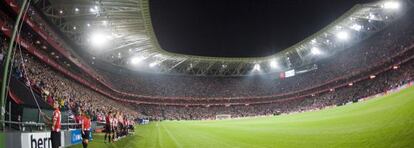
(34, 126)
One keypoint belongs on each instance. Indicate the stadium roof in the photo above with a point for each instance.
(120, 32)
(241, 28)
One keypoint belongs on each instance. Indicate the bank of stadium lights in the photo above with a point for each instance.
(395, 67)
(393, 5)
(136, 60)
(256, 67)
(313, 41)
(356, 27)
(371, 16)
(273, 64)
(99, 39)
(153, 64)
(94, 9)
(316, 51)
(342, 35)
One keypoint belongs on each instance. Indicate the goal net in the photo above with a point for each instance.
(223, 116)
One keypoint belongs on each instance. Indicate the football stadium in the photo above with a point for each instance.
(206, 74)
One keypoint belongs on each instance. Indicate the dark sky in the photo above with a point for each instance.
(240, 28)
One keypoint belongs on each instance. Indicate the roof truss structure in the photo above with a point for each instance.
(128, 23)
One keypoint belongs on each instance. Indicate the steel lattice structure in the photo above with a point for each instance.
(128, 25)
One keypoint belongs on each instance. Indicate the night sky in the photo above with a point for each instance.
(240, 28)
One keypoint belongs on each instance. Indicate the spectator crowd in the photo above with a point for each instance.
(380, 63)
(376, 50)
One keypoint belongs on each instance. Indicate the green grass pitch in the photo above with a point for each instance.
(381, 122)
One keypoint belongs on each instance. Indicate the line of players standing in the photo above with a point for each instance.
(116, 126)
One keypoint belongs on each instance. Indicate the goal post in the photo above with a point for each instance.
(223, 116)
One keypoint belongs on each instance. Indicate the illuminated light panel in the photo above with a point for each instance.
(395, 67)
(342, 35)
(391, 5)
(153, 64)
(316, 51)
(273, 64)
(356, 27)
(99, 39)
(256, 67)
(136, 60)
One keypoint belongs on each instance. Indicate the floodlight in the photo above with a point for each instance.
(76, 9)
(98, 39)
(371, 16)
(136, 60)
(256, 67)
(273, 64)
(153, 64)
(342, 35)
(391, 5)
(92, 10)
(313, 41)
(356, 27)
(395, 67)
(315, 51)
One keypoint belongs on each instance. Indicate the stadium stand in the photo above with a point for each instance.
(43, 72)
(368, 57)
(373, 52)
(39, 79)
